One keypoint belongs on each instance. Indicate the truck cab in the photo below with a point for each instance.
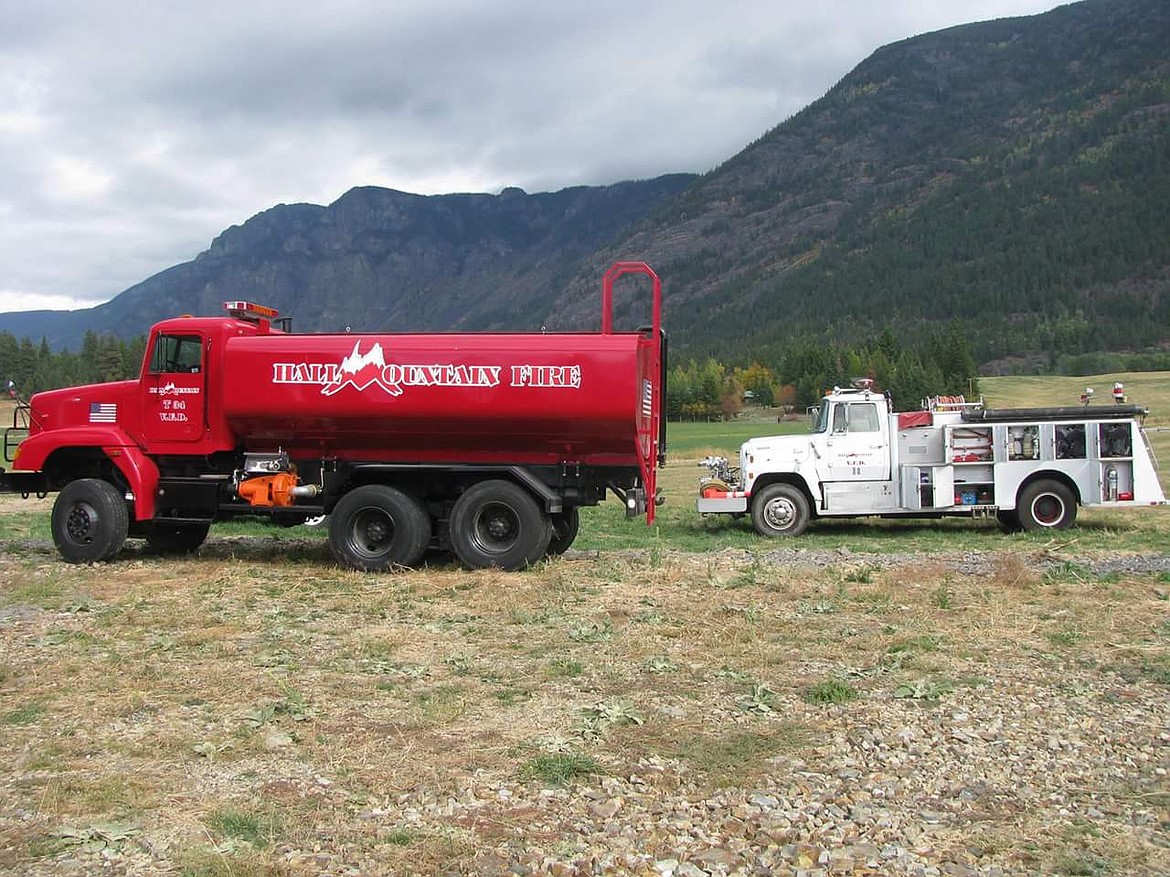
(851, 437)
(122, 428)
(173, 387)
(842, 465)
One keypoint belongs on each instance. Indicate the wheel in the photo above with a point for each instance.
(90, 521)
(176, 538)
(1046, 505)
(498, 524)
(376, 528)
(564, 530)
(1009, 520)
(780, 510)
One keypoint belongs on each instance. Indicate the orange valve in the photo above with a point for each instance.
(269, 490)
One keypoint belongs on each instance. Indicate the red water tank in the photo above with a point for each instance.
(529, 398)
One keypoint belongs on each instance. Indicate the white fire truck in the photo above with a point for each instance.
(1029, 467)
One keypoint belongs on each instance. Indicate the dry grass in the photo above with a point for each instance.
(254, 710)
(175, 698)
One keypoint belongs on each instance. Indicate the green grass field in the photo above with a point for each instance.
(680, 527)
(697, 440)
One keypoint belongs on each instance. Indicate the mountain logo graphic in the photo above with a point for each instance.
(171, 389)
(362, 370)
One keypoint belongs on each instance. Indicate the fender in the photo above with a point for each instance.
(141, 474)
(38, 447)
(139, 470)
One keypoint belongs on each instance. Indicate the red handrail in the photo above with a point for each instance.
(616, 270)
(646, 439)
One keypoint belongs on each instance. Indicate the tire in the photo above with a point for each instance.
(376, 528)
(498, 524)
(780, 510)
(1046, 505)
(176, 538)
(90, 521)
(564, 530)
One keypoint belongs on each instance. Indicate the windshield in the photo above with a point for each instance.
(820, 417)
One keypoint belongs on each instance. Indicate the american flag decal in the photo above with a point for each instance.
(103, 412)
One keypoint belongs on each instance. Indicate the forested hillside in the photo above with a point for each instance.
(1012, 174)
(32, 367)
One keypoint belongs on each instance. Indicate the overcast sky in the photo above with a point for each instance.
(132, 133)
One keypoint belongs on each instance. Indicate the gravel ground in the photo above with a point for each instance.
(1045, 766)
(891, 788)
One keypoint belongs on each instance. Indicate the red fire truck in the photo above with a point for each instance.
(484, 444)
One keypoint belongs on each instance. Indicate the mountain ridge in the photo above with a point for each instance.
(378, 258)
(1013, 174)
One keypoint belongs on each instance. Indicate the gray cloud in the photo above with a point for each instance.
(132, 133)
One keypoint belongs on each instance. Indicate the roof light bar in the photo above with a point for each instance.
(247, 310)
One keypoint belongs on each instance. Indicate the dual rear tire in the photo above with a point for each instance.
(376, 527)
(494, 524)
(564, 530)
(498, 524)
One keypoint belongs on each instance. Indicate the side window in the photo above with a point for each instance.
(840, 420)
(176, 353)
(863, 417)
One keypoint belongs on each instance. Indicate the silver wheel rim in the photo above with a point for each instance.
(1048, 510)
(780, 513)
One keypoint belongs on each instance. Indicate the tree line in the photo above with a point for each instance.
(710, 390)
(32, 368)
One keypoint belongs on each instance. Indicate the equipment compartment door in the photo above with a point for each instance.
(173, 407)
